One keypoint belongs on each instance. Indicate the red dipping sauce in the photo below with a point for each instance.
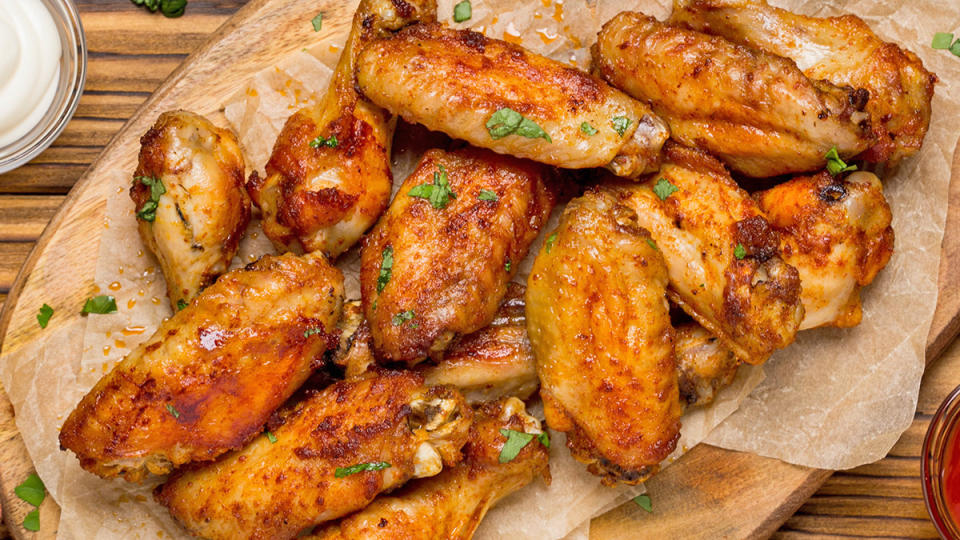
(941, 467)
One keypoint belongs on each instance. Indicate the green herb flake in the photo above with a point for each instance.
(507, 121)
(31, 490)
(588, 129)
(311, 331)
(438, 193)
(955, 48)
(148, 212)
(487, 195)
(507, 265)
(664, 189)
(31, 521)
(550, 240)
(271, 437)
(652, 244)
(173, 411)
(100, 305)
(181, 304)
(43, 317)
(643, 501)
(739, 252)
(620, 124)
(544, 439)
(517, 441)
(462, 11)
(403, 317)
(386, 269)
(330, 141)
(835, 165)
(317, 22)
(343, 472)
(942, 40)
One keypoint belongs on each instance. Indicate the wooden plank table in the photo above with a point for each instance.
(132, 52)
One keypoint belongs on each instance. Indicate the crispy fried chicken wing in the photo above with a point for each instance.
(705, 366)
(722, 255)
(837, 234)
(329, 179)
(600, 329)
(754, 110)
(842, 50)
(437, 265)
(451, 505)
(192, 208)
(209, 378)
(277, 489)
(455, 81)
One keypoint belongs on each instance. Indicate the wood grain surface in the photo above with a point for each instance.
(133, 52)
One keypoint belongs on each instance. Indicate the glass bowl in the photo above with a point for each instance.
(941, 435)
(73, 73)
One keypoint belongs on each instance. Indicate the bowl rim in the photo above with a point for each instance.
(943, 423)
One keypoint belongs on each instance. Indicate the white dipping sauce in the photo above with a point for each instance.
(29, 66)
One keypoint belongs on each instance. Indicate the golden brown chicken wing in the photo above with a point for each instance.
(451, 505)
(331, 456)
(212, 374)
(704, 365)
(438, 263)
(836, 232)
(497, 95)
(842, 50)
(328, 179)
(600, 330)
(722, 255)
(754, 110)
(192, 208)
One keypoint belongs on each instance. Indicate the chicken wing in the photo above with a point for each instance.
(754, 110)
(438, 263)
(722, 255)
(837, 234)
(704, 365)
(451, 505)
(328, 178)
(842, 50)
(497, 95)
(192, 208)
(331, 456)
(600, 329)
(212, 374)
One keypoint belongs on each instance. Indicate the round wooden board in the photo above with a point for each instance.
(710, 491)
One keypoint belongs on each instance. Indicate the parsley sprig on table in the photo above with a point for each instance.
(169, 8)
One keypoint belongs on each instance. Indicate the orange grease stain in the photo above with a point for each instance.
(133, 330)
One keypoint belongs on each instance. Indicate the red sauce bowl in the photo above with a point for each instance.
(941, 467)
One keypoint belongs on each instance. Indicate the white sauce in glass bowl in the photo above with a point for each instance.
(29, 66)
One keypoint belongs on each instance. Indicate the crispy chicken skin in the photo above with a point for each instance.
(454, 81)
(323, 196)
(751, 303)
(836, 232)
(275, 490)
(754, 110)
(704, 365)
(600, 329)
(449, 265)
(842, 50)
(200, 218)
(209, 378)
(451, 505)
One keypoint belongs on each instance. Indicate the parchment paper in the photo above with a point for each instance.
(835, 399)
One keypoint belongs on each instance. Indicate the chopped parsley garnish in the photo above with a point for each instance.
(835, 165)
(169, 8)
(386, 269)
(620, 124)
(181, 304)
(148, 212)
(588, 129)
(317, 22)
(643, 501)
(664, 189)
(507, 265)
(343, 472)
(271, 437)
(403, 317)
(43, 317)
(31, 490)
(462, 11)
(101, 305)
(487, 195)
(739, 252)
(550, 240)
(438, 193)
(652, 244)
(942, 40)
(507, 121)
(311, 331)
(31, 521)
(330, 141)
(517, 441)
(173, 411)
